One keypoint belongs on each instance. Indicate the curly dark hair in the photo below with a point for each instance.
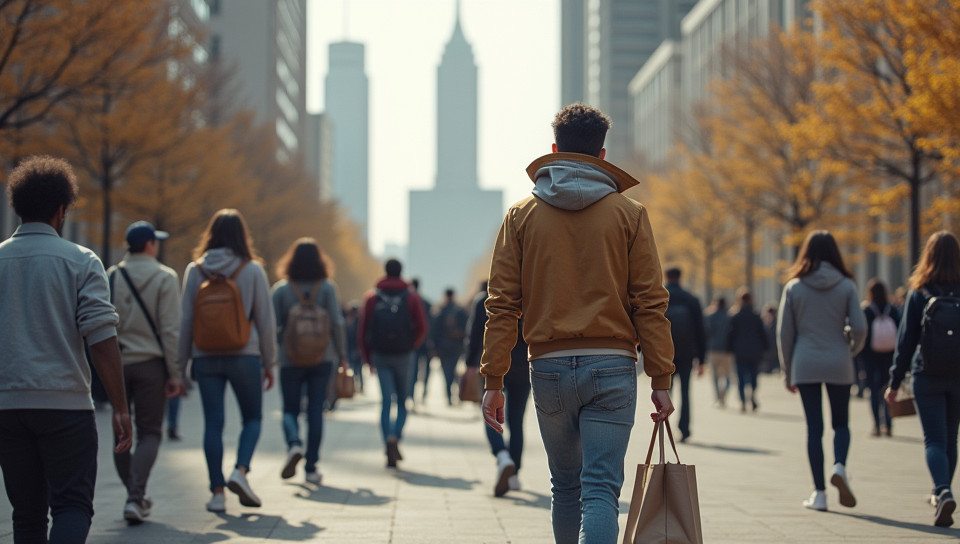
(579, 128)
(303, 261)
(39, 186)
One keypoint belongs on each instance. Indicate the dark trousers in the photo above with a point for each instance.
(938, 405)
(747, 371)
(878, 374)
(516, 394)
(684, 368)
(295, 383)
(146, 396)
(811, 394)
(49, 461)
(448, 363)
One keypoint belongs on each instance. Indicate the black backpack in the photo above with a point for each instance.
(391, 329)
(940, 335)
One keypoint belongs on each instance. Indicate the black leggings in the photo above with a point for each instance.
(811, 394)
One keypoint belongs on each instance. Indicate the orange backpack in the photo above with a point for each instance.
(219, 322)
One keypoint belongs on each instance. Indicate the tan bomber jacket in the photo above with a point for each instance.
(582, 279)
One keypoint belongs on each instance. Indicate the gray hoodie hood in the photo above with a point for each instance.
(824, 277)
(571, 185)
(220, 260)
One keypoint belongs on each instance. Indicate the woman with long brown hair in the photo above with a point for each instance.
(226, 251)
(877, 355)
(818, 302)
(936, 387)
(303, 370)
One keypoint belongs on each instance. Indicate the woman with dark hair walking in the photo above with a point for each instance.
(226, 251)
(934, 288)
(816, 353)
(305, 280)
(877, 355)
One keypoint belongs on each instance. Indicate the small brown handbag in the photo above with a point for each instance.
(345, 386)
(471, 385)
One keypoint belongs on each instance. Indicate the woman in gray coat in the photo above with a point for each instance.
(816, 351)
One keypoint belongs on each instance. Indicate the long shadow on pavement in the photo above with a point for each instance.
(334, 495)
(529, 498)
(156, 532)
(730, 449)
(430, 480)
(792, 418)
(919, 527)
(264, 526)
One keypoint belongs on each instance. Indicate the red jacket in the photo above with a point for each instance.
(414, 306)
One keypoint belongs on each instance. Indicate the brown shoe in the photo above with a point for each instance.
(393, 452)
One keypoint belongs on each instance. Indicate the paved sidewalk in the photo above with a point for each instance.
(752, 472)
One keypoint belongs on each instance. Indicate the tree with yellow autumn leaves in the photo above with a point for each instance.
(109, 86)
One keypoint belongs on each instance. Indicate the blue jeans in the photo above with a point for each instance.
(747, 371)
(244, 374)
(938, 405)
(877, 377)
(49, 461)
(393, 371)
(516, 399)
(585, 408)
(294, 383)
(811, 395)
(173, 413)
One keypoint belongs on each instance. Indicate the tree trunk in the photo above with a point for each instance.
(107, 224)
(914, 222)
(708, 271)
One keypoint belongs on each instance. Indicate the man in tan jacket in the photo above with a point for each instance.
(147, 297)
(578, 261)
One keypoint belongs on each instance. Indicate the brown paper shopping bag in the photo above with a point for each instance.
(345, 386)
(665, 508)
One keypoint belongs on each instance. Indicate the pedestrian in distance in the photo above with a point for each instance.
(425, 353)
(577, 259)
(54, 298)
(146, 295)
(447, 330)
(927, 346)
(312, 341)
(716, 326)
(747, 340)
(516, 392)
(818, 303)
(689, 342)
(876, 357)
(229, 330)
(392, 327)
(351, 323)
(770, 362)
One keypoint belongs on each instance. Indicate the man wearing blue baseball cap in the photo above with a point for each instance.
(146, 295)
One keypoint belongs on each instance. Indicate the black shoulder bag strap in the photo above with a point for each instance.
(136, 295)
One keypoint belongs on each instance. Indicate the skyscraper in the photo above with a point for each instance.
(347, 106)
(264, 44)
(618, 37)
(452, 227)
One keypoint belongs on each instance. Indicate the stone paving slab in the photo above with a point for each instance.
(751, 468)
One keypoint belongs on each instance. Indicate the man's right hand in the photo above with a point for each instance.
(663, 404)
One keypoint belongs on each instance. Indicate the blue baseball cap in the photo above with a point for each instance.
(141, 232)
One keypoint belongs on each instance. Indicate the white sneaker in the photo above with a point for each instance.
(314, 478)
(840, 481)
(505, 469)
(294, 455)
(136, 512)
(217, 503)
(817, 501)
(238, 484)
(514, 483)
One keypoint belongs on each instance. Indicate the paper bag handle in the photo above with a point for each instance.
(658, 429)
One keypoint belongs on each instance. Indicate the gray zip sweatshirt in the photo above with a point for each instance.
(53, 295)
(255, 293)
(810, 338)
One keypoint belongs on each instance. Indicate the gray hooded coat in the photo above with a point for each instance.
(810, 338)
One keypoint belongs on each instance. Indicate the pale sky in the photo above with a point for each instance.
(516, 45)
